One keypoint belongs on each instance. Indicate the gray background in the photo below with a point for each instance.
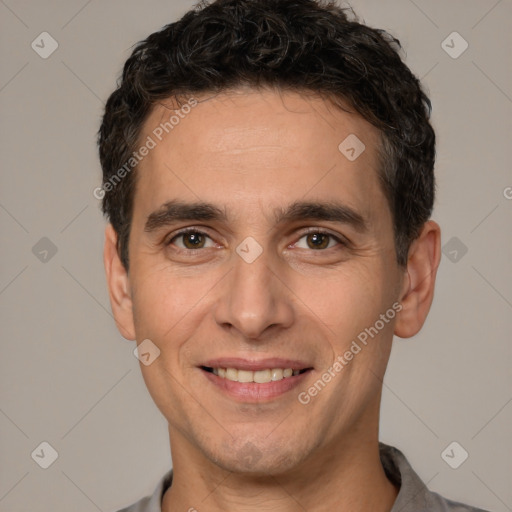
(68, 377)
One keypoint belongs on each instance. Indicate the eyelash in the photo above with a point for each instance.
(318, 231)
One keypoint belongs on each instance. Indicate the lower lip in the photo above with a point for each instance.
(253, 391)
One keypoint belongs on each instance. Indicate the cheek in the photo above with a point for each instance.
(346, 300)
(164, 313)
(346, 308)
(169, 308)
(159, 302)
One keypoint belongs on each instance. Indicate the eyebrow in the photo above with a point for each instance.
(173, 211)
(329, 211)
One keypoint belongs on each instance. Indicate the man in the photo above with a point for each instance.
(268, 178)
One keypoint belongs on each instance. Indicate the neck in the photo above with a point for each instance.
(344, 475)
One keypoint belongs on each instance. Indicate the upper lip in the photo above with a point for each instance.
(255, 365)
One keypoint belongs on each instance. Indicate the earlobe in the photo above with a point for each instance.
(118, 285)
(419, 283)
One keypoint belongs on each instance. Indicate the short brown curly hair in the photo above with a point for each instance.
(299, 45)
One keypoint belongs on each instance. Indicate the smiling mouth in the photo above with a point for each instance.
(259, 376)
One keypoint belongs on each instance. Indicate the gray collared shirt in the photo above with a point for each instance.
(412, 497)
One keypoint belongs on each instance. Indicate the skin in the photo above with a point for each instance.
(250, 152)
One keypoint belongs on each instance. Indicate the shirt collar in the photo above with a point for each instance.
(413, 492)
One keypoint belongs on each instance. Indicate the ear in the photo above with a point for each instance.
(419, 280)
(118, 286)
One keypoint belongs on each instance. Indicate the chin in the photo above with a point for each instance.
(257, 458)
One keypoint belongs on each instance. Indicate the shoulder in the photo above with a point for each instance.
(414, 495)
(141, 506)
(435, 502)
(152, 503)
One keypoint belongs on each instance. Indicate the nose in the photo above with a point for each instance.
(254, 299)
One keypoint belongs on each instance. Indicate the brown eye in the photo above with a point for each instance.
(318, 240)
(190, 240)
(193, 240)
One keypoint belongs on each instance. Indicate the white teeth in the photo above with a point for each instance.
(245, 376)
(259, 376)
(277, 374)
(232, 374)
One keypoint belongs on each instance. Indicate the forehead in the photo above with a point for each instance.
(245, 147)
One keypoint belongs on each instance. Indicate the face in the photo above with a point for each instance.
(288, 257)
